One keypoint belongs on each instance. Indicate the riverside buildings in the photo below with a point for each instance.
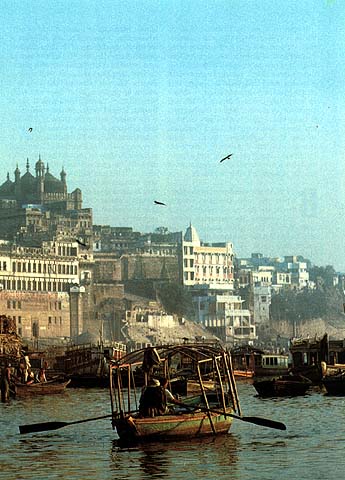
(208, 270)
(44, 251)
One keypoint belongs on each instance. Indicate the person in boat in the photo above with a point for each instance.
(30, 377)
(168, 395)
(153, 400)
(5, 383)
(42, 375)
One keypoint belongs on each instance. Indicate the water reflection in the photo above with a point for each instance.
(173, 459)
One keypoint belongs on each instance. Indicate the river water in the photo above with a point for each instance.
(312, 447)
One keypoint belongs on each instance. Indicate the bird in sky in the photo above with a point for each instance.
(80, 242)
(30, 129)
(159, 203)
(226, 158)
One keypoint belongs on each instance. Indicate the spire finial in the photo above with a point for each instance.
(27, 165)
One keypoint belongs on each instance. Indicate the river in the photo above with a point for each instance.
(312, 447)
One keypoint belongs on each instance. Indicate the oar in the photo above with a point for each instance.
(264, 422)
(41, 427)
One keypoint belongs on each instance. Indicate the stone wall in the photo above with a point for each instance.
(37, 314)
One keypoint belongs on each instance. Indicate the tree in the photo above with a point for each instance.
(175, 298)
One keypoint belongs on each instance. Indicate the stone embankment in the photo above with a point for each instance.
(311, 328)
(189, 331)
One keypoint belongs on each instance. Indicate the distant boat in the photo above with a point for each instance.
(250, 362)
(44, 388)
(284, 386)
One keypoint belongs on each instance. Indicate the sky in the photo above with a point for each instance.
(139, 101)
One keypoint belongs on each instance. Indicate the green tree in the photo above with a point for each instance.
(176, 299)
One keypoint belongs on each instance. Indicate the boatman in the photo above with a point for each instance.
(153, 400)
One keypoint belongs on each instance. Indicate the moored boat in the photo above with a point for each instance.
(44, 388)
(334, 384)
(284, 386)
(250, 362)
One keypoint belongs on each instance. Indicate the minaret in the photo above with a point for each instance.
(17, 189)
(39, 167)
(63, 180)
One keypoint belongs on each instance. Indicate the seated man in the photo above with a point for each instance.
(168, 395)
(153, 400)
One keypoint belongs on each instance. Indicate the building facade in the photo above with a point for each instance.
(202, 264)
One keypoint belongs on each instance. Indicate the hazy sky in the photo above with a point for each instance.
(140, 100)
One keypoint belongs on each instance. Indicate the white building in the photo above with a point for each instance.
(204, 264)
(224, 316)
(262, 302)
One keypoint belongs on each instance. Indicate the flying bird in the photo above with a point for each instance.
(30, 129)
(226, 158)
(81, 243)
(159, 203)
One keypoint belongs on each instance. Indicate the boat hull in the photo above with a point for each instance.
(40, 389)
(281, 387)
(168, 427)
(334, 385)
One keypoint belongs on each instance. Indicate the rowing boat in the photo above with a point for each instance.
(44, 388)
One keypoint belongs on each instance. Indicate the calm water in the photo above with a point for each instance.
(312, 447)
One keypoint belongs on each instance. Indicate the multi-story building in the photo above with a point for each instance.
(262, 302)
(224, 316)
(35, 284)
(202, 264)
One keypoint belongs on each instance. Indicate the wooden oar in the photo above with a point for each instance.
(45, 426)
(264, 422)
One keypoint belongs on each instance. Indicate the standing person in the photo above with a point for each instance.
(5, 383)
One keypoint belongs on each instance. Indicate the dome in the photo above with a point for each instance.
(52, 184)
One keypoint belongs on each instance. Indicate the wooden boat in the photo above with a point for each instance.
(334, 384)
(45, 388)
(250, 362)
(307, 356)
(179, 423)
(247, 373)
(208, 413)
(284, 386)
